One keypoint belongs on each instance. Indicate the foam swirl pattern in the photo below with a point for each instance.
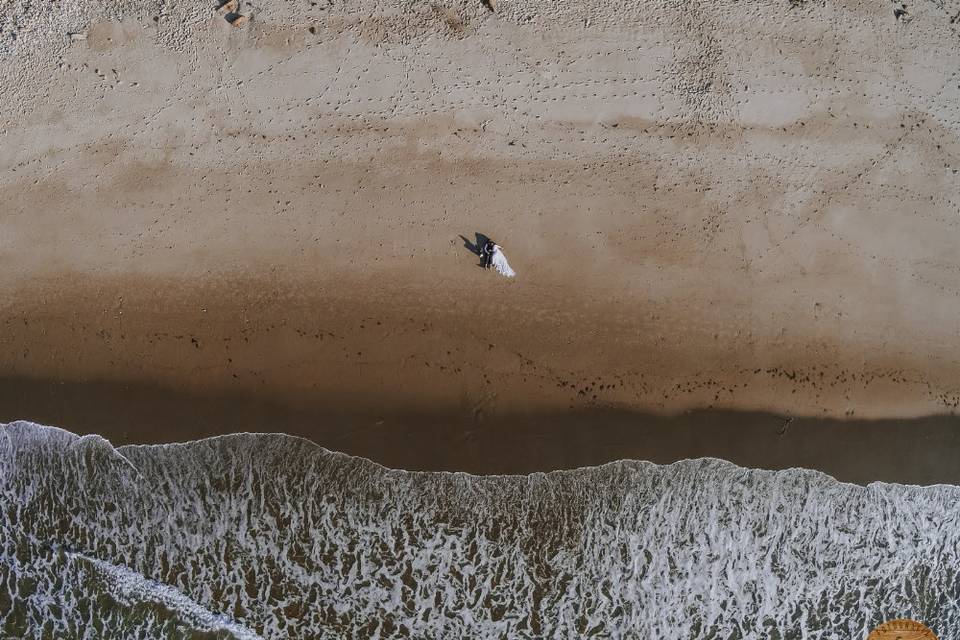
(269, 536)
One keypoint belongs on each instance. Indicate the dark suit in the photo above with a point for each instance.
(486, 254)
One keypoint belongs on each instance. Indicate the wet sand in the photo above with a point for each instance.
(466, 341)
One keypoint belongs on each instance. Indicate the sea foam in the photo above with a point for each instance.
(271, 536)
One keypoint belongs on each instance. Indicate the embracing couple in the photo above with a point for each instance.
(491, 254)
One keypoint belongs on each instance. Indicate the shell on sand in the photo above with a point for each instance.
(902, 629)
(239, 21)
(228, 6)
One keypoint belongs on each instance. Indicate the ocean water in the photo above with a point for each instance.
(269, 536)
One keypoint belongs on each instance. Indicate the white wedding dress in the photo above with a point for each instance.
(499, 262)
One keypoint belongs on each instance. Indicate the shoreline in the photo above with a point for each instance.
(920, 451)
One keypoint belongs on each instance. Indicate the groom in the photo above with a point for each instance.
(486, 253)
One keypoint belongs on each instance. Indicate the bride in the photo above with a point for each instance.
(499, 262)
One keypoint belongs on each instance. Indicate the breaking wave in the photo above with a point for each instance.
(270, 536)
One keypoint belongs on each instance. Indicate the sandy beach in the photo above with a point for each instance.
(705, 215)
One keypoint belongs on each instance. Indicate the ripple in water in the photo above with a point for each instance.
(270, 536)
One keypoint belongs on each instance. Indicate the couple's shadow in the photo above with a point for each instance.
(475, 247)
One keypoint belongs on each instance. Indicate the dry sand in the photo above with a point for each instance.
(710, 205)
